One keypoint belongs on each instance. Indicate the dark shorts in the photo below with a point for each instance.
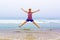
(31, 20)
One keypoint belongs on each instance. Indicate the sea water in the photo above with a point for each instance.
(44, 24)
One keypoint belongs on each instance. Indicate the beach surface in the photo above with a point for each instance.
(17, 34)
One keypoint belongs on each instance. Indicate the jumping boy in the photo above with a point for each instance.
(29, 12)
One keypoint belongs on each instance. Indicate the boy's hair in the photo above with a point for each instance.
(29, 8)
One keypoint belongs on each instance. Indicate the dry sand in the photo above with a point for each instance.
(30, 35)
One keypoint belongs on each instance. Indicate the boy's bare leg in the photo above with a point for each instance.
(36, 24)
(22, 24)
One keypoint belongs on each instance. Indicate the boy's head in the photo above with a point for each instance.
(29, 9)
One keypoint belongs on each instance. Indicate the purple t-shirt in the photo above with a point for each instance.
(29, 15)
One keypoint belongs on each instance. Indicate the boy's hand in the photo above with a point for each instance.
(21, 8)
(24, 10)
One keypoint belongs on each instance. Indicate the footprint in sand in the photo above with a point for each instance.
(30, 37)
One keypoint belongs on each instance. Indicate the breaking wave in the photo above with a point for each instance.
(38, 21)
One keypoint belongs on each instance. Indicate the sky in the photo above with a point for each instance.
(11, 9)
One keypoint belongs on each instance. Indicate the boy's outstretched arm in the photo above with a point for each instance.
(24, 10)
(35, 11)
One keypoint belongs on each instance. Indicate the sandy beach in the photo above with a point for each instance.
(15, 34)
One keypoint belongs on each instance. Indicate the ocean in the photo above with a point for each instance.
(44, 24)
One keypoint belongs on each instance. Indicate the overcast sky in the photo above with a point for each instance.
(11, 8)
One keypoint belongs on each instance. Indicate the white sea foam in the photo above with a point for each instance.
(38, 21)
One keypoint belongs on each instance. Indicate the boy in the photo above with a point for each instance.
(29, 12)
